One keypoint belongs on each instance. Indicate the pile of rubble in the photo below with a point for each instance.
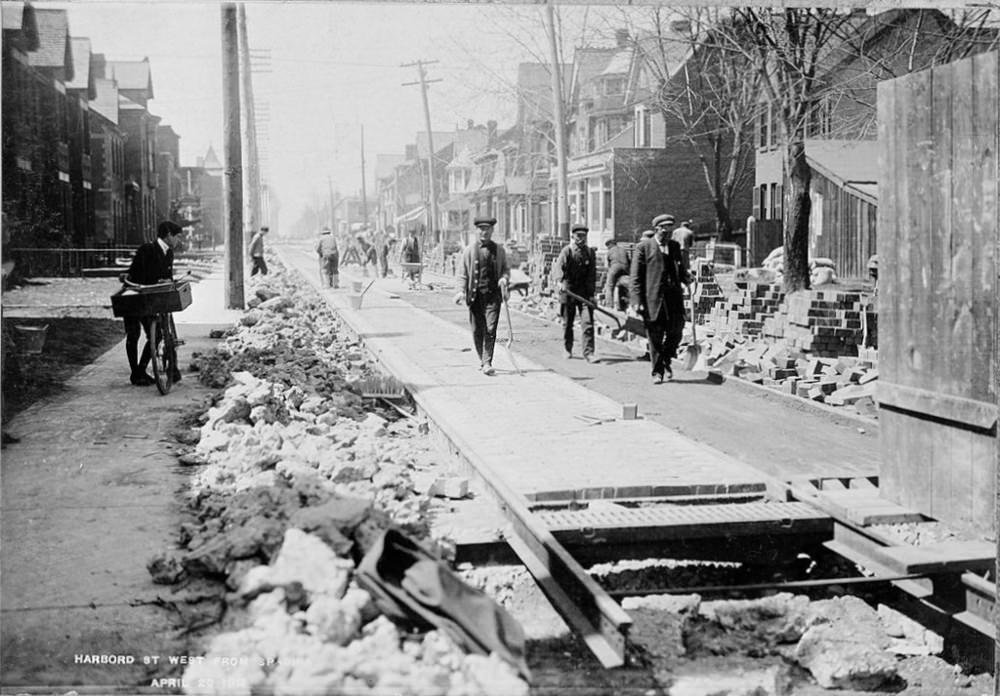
(298, 475)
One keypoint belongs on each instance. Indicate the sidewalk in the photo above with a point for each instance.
(537, 431)
(88, 495)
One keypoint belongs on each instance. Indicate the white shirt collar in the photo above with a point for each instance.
(163, 245)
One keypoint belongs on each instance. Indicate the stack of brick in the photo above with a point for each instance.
(826, 323)
(843, 381)
(744, 308)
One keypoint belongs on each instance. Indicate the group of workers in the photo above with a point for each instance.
(658, 271)
(653, 277)
(363, 252)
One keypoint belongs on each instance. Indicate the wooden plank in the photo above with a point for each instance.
(959, 323)
(888, 226)
(963, 482)
(983, 481)
(984, 231)
(946, 557)
(976, 414)
(940, 196)
(921, 335)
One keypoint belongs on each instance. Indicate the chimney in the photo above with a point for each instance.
(621, 38)
(491, 132)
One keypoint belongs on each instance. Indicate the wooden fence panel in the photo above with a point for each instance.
(939, 230)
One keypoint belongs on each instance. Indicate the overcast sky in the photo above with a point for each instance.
(333, 66)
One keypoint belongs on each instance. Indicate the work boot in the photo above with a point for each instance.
(488, 369)
(589, 357)
(569, 355)
(141, 379)
(175, 376)
(657, 378)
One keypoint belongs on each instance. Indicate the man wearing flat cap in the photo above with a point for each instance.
(619, 261)
(659, 273)
(575, 269)
(483, 279)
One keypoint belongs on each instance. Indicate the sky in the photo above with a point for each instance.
(333, 68)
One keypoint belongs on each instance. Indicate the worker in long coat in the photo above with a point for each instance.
(659, 274)
(483, 280)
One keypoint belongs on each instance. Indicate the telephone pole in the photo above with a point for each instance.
(233, 159)
(250, 121)
(432, 226)
(364, 193)
(562, 210)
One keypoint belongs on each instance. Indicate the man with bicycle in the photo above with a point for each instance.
(153, 263)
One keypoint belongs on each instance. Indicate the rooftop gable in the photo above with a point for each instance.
(83, 78)
(54, 49)
(105, 100)
(131, 75)
(20, 25)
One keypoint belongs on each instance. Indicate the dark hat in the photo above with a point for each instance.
(647, 233)
(579, 227)
(660, 219)
(265, 228)
(167, 227)
(610, 242)
(484, 221)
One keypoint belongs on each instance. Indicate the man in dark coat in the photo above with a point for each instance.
(659, 273)
(153, 263)
(483, 279)
(576, 269)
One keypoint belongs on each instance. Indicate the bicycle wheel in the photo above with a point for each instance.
(163, 357)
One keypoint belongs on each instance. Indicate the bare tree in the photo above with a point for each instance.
(708, 93)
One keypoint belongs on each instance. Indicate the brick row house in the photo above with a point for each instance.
(626, 162)
(85, 163)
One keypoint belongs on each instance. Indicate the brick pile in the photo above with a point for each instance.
(826, 323)
(742, 308)
(841, 381)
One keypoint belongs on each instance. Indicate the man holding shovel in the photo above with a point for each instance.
(576, 270)
(483, 279)
(659, 274)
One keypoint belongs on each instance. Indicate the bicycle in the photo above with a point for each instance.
(156, 302)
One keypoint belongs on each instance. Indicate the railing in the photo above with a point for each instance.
(73, 262)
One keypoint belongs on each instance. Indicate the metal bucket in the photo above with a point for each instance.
(355, 300)
(357, 286)
(30, 339)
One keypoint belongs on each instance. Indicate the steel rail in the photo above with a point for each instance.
(765, 586)
(585, 606)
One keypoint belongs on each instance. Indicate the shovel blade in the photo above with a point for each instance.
(691, 356)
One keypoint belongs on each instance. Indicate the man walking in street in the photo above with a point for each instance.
(153, 263)
(658, 276)
(329, 258)
(257, 253)
(411, 254)
(483, 279)
(618, 268)
(576, 269)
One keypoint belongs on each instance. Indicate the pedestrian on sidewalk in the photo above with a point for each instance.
(257, 252)
(576, 271)
(153, 263)
(411, 254)
(659, 274)
(329, 258)
(617, 280)
(483, 279)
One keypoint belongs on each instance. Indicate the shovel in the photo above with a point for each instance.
(510, 339)
(693, 351)
(632, 324)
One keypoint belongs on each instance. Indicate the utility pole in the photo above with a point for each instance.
(432, 226)
(252, 176)
(364, 193)
(562, 210)
(233, 159)
(333, 215)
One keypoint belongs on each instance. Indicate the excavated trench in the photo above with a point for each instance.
(296, 474)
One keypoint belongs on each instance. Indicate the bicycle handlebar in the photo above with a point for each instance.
(173, 281)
